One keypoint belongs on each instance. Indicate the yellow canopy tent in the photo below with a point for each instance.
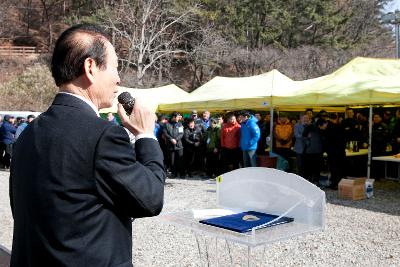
(224, 93)
(260, 92)
(361, 81)
(152, 97)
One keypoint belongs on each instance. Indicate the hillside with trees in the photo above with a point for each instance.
(188, 42)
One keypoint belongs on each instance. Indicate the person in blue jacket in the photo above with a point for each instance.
(7, 139)
(249, 135)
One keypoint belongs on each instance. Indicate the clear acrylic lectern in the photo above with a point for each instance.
(264, 190)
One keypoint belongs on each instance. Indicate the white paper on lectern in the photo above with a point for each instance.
(202, 214)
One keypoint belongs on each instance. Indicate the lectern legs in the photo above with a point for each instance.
(217, 252)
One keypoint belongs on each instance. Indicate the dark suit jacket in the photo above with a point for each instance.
(75, 184)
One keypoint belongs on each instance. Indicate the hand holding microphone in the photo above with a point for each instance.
(137, 118)
(127, 102)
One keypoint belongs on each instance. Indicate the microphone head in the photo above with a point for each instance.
(124, 98)
(127, 101)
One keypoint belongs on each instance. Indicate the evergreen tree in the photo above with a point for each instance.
(293, 23)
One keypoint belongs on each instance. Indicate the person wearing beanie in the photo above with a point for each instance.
(7, 139)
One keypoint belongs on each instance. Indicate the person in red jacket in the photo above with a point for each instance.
(230, 143)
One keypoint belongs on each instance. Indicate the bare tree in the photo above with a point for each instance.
(2, 17)
(147, 31)
(207, 52)
(5, 21)
(49, 9)
(255, 61)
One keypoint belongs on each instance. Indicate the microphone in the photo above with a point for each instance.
(127, 101)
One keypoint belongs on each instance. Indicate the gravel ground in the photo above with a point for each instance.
(359, 233)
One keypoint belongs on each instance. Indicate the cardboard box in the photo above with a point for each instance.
(352, 188)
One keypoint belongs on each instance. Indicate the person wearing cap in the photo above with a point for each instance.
(173, 132)
(213, 146)
(22, 126)
(192, 140)
(19, 121)
(162, 122)
(7, 139)
(203, 123)
(193, 115)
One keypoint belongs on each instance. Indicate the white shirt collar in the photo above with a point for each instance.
(90, 103)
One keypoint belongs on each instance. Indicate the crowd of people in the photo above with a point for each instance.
(211, 145)
(10, 129)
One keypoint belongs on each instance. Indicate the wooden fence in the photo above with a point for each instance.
(13, 51)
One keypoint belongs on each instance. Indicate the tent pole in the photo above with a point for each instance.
(369, 141)
(271, 129)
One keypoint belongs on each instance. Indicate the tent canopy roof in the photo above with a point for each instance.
(361, 81)
(222, 88)
(225, 93)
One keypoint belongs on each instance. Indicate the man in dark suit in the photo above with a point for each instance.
(75, 181)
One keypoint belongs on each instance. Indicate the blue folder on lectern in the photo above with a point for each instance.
(245, 221)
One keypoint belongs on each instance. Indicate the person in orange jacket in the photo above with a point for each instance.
(283, 135)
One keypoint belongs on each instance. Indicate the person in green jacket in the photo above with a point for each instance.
(213, 144)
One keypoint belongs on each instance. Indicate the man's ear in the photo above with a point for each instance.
(90, 68)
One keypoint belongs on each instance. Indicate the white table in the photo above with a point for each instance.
(387, 159)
